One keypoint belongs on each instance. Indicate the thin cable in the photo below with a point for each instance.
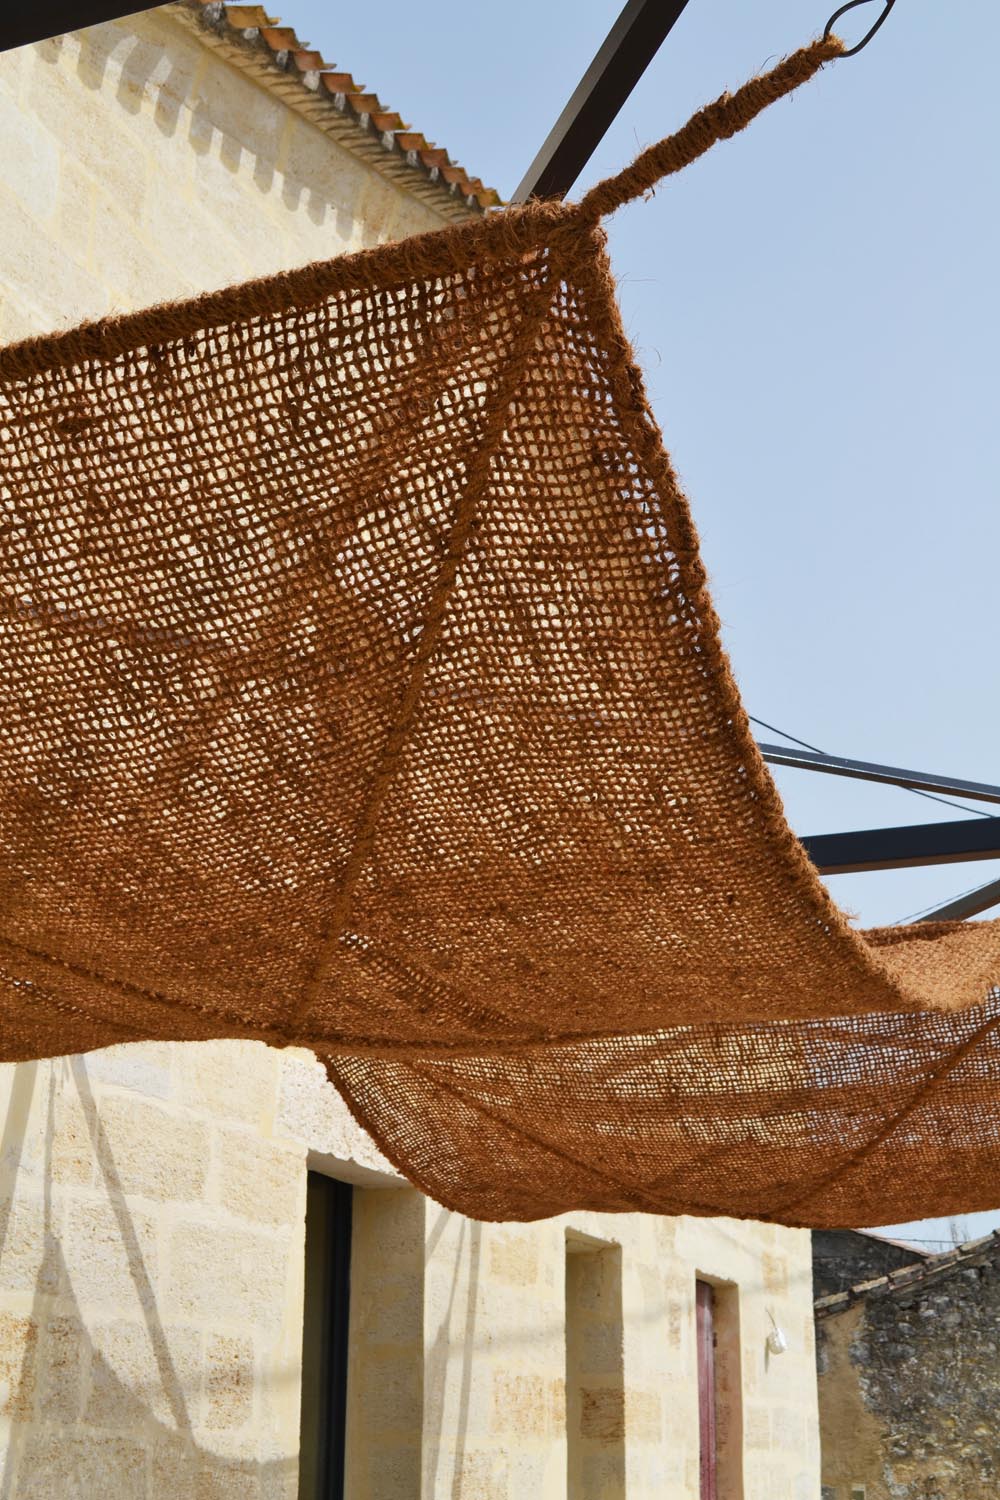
(785, 736)
(911, 1241)
(902, 921)
(931, 796)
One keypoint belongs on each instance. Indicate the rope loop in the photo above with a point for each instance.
(853, 5)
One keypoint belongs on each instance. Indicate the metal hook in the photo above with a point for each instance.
(865, 39)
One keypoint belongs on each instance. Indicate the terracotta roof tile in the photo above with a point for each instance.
(338, 83)
(308, 62)
(365, 104)
(388, 122)
(405, 150)
(249, 16)
(280, 38)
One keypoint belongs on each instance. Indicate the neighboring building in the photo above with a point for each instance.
(843, 1258)
(204, 1264)
(909, 1381)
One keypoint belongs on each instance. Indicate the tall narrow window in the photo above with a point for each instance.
(707, 1407)
(324, 1338)
(595, 1370)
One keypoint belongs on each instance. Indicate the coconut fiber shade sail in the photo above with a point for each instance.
(362, 692)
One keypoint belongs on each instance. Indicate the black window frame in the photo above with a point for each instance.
(325, 1338)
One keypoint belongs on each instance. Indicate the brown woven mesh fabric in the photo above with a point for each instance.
(362, 691)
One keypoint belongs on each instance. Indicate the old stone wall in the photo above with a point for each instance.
(909, 1381)
(843, 1258)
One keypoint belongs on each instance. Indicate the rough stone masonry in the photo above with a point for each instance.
(909, 1381)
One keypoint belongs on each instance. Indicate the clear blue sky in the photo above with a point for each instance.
(815, 307)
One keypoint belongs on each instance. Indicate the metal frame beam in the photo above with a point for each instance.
(969, 905)
(23, 24)
(908, 847)
(902, 848)
(628, 49)
(863, 770)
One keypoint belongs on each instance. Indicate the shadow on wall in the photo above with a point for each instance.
(75, 1426)
(453, 1340)
(226, 114)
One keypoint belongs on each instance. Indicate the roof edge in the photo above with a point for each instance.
(885, 1239)
(330, 99)
(931, 1268)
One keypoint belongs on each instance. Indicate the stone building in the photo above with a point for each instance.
(211, 1284)
(909, 1381)
(843, 1258)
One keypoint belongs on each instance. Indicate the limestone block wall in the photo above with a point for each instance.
(140, 166)
(558, 1359)
(386, 1381)
(151, 1262)
(147, 1285)
(152, 1204)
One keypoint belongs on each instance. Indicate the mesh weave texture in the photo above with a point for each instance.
(362, 692)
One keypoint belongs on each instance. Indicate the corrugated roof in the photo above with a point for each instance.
(277, 55)
(907, 1278)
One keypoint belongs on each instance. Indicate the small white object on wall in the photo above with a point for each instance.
(776, 1340)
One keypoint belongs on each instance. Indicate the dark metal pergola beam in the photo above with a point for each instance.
(626, 53)
(969, 905)
(864, 770)
(907, 847)
(902, 848)
(21, 24)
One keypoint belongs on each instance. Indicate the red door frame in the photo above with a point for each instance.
(707, 1435)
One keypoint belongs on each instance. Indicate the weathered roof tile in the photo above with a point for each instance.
(928, 1268)
(408, 149)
